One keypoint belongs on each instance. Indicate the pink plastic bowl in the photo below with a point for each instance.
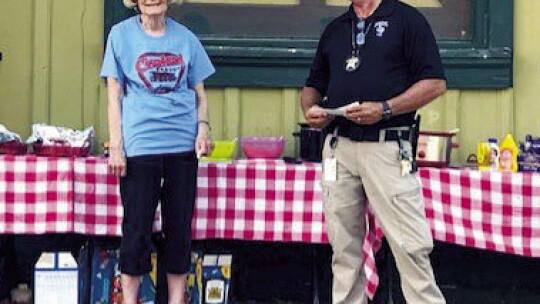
(262, 146)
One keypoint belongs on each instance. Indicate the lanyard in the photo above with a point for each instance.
(365, 32)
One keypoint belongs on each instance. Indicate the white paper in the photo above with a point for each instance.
(66, 260)
(341, 110)
(56, 283)
(210, 260)
(225, 259)
(336, 112)
(55, 286)
(330, 169)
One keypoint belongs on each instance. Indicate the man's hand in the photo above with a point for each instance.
(366, 113)
(317, 117)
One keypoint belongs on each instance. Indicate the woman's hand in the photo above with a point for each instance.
(203, 143)
(117, 162)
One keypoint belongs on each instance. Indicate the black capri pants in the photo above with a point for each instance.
(171, 179)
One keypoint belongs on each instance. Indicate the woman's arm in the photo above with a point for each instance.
(117, 161)
(203, 143)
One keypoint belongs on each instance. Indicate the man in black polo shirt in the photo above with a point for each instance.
(379, 63)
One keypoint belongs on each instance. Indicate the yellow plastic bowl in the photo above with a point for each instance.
(224, 150)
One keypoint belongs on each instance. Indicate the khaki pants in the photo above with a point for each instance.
(371, 171)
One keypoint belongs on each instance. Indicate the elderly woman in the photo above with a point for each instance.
(158, 125)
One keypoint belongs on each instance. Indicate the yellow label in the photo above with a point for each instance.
(226, 270)
(214, 293)
(153, 273)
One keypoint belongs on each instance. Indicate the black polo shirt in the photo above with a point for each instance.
(400, 49)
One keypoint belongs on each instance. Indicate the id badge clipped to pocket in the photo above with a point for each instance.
(330, 169)
(330, 163)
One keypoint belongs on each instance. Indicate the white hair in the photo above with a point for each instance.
(133, 3)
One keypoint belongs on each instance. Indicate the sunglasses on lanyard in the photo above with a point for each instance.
(361, 36)
(353, 62)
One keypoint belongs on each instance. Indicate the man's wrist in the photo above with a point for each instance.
(386, 111)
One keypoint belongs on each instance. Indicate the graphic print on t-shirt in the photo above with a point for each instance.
(160, 72)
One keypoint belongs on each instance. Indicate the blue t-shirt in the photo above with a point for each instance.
(159, 75)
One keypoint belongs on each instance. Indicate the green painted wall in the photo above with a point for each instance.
(16, 68)
(526, 101)
(52, 54)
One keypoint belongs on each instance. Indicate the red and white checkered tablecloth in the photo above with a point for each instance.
(270, 201)
(487, 210)
(259, 200)
(36, 195)
(249, 200)
(97, 205)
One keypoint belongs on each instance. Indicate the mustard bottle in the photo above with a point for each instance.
(508, 156)
(483, 156)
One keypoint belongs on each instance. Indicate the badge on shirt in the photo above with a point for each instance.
(352, 63)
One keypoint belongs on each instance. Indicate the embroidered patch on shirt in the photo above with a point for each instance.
(380, 27)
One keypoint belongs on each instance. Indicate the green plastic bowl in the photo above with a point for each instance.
(224, 150)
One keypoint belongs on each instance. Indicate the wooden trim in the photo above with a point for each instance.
(92, 23)
(290, 98)
(506, 110)
(42, 61)
(451, 114)
(232, 113)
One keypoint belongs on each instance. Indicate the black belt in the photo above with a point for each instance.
(360, 134)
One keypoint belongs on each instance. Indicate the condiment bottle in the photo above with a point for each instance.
(508, 154)
(493, 153)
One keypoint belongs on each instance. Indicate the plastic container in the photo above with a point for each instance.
(58, 150)
(494, 153)
(224, 150)
(508, 156)
(310, 145)
(434, 148)
(262, 146)
(13, 148)
(482, 156)
(529, 163)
